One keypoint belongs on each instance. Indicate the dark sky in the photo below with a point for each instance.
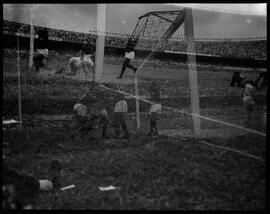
(123, 18)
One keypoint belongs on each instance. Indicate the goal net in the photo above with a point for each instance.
(157, 27)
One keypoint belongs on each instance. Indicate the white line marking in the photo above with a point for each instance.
(233, 150)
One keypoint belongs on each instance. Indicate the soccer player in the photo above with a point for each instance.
(42, 38)
(88, 49)
(237, 80)
(155, 109)
(129, 55)
(104, 121)
(83, 122)
(38, 58)
(249, 99)
(154, 91)
(120, 111)
(18, 190)
(263, 76)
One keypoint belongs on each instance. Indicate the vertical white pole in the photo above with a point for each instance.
(31, 38)
(137, 102)
(192, 72)
(19, 84)
(100, 43)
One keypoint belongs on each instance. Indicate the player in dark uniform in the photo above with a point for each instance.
(237, 80)
(129, 55)
(263, 77)
(42, 38)
(41, 52)
(39, 58)
(19, 190)
(88, 49)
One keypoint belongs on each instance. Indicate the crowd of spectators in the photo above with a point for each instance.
(225, 48)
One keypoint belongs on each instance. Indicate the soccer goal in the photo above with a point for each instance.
(160, 26)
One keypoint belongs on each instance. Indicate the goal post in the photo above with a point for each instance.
(100, 43)
(192, 72)
(31, 52)
(19, 83)
(138, 121)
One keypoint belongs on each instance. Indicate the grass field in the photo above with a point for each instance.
(153, 173)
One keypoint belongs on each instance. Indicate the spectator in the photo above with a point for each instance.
(225, 48)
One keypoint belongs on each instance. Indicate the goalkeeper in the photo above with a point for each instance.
(129, 55)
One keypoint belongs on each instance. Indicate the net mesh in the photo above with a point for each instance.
(155, 28)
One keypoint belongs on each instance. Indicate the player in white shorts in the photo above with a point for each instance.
(120, 111)
(129, 55)
(155, 109)
(249, 99)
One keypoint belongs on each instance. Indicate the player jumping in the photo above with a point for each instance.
(129, 55)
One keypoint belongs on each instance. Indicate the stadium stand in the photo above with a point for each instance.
(217, 47)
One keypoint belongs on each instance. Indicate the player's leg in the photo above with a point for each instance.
(92, 69)
(249, 106)
(249, 116)
(104, 129)
(87, 71)
(38, 65)
(86, 67)
(104, 122)
(124, 126)
(124, 66)
(74, 69)
(132, 67)
(116, 124)
(36, 62)
(155, 130)
(84, 127)
(264, 83)
(75, 127)
(152, 124)
(42, 65)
